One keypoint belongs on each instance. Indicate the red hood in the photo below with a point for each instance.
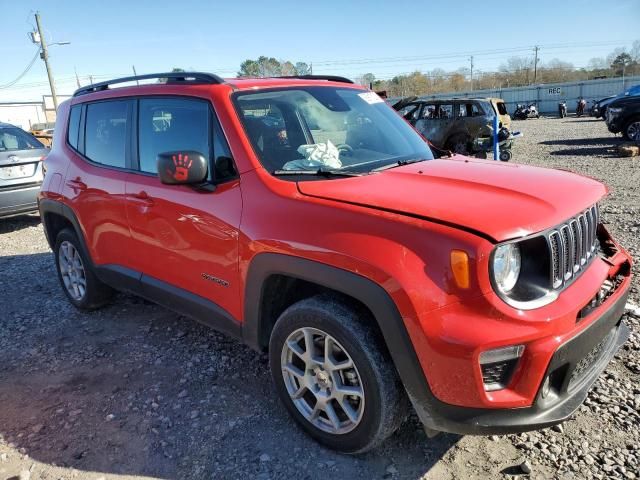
(499, 200)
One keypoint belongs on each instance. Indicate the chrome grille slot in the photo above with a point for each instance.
(589, 230)
(576, 244)
(572, 246)
(582, 220)
(556, 259)
(567, 255)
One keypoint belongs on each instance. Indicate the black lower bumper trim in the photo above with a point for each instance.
(605, 336)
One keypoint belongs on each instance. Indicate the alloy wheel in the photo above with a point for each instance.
(72, 270)
(322, 381)
(633, 130)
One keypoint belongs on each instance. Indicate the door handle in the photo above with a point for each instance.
(142, 197)
(77, 185)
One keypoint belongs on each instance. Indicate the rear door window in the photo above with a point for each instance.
(463, 110)
(106, 132)
(445, 111)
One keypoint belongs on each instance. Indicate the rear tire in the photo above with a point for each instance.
(311, 383)
(75, 272)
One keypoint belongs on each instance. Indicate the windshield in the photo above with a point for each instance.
(327, 128)
(15, 139)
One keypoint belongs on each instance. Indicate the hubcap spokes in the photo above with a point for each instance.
(72, 270)
(322, 381)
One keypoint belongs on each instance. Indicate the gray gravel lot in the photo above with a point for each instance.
(135, 391)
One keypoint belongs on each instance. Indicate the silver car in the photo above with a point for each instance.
(21, 156)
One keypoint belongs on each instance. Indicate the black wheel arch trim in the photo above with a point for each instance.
(372, 295)
(46, 206)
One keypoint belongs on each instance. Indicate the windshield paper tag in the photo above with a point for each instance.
(370, 97)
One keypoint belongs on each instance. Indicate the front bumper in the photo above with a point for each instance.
(573, 370)
(19, 199)
(614, 122)
(570, 341)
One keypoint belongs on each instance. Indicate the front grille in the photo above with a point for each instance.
(572, 246)
(608, 288)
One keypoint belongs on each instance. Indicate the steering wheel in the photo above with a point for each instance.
(345, 149)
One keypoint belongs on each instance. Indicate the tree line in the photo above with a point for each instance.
(514, 72)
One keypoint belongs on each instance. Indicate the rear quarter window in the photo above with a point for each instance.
(74, 126)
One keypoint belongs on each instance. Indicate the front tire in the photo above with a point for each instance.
(83, 289)
(334, 375)
(459, 144)
(632, 129)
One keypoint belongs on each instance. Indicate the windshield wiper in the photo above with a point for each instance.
(319, 173)
(399, 163)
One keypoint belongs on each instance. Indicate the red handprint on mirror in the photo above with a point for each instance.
(182, 164)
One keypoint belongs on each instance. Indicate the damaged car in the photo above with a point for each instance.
(454, 124)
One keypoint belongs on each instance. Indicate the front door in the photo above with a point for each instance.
(182, 236)
(435, 121)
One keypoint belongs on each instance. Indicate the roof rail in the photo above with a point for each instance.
(192, 77)
(330, 78)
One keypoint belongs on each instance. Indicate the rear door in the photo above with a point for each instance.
(185, 239)
(95, 182)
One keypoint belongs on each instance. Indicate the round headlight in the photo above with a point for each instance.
(506, 266)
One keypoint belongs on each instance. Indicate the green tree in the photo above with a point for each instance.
(262, 67)
(621, 62)
(366, 79)
(302, 68)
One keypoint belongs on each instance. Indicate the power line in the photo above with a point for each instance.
(465, 53)
(24, 72)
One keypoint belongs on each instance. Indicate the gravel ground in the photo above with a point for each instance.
(134, 391)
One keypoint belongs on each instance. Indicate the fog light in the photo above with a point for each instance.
(498, 366)
(546, 387)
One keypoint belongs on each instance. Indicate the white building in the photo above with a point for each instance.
(25, 114)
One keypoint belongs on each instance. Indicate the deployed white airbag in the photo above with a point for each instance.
(316, 155)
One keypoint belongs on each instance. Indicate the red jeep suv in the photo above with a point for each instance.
(303, 216)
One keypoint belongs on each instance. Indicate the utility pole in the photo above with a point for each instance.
(535, 63)
(311, 68)
(471, 60)
(44, 55)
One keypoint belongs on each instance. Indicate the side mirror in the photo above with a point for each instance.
(182, 168)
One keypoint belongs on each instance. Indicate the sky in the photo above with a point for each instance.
(347, 38)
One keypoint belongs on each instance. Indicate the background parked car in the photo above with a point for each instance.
(454, 124)
(602, 105)
(21, 156)
(623, 116)
(598, 107)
